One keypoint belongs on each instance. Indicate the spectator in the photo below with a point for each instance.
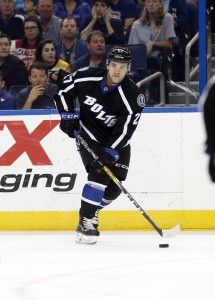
(38, 95)
(7, 101)
(78, 9)
(46, 53)
(127, 11)
(11, 66)
(155, 29)
(102, 20)
(179, 11)
(10, 22)
(140, 6)
(19, 6)
(26, 47)
(70, 48)
(193, 11)
(90, 2)
(96, 52)
(30, 8)
(211, 10)
(50, 24)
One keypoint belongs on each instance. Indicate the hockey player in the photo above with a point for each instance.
(208, 105)
(110, 108)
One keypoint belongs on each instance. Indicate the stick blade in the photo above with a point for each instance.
(169, 233)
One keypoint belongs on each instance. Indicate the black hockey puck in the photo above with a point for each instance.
(163, 245)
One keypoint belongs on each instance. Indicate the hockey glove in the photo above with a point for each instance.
(212, 168)
(108, 157)
(69, 123)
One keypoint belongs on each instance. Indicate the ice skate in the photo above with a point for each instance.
(87, 232)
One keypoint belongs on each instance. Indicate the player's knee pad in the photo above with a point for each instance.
(93, 192)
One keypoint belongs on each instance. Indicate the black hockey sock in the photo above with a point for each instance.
(88, 210)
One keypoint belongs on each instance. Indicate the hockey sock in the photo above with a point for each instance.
(88, 210)
(91, 197)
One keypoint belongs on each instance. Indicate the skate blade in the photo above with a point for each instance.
(85, 239)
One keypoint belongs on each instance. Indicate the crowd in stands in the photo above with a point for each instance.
(42, 40)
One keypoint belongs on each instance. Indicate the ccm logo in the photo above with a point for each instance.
(69, 117)
(26, 142)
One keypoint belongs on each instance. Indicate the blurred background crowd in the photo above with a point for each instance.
(42, 40)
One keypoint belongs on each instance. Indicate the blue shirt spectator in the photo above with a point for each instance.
(80, 10)
(179, 11)
(7, 101)
(70, 48)
(126, 10)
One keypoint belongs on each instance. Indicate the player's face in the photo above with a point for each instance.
(38, 77)
(116, 72)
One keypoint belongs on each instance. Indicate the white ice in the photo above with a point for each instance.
(122, 265)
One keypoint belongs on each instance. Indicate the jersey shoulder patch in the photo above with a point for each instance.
(141, 100)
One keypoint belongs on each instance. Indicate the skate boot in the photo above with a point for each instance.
(87, 232)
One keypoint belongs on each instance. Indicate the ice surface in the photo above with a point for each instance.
(122, 265)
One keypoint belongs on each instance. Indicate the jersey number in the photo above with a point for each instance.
(137, 116)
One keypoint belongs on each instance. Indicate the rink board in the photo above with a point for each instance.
(41, 174)
(109, 220)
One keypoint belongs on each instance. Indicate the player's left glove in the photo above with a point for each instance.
(108, 157)
(69, 123)
(212, 167)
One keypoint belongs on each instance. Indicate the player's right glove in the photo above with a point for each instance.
(69, 123)
(108, 157)
(212, 167)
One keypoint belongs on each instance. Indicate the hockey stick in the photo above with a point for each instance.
(164, 233)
